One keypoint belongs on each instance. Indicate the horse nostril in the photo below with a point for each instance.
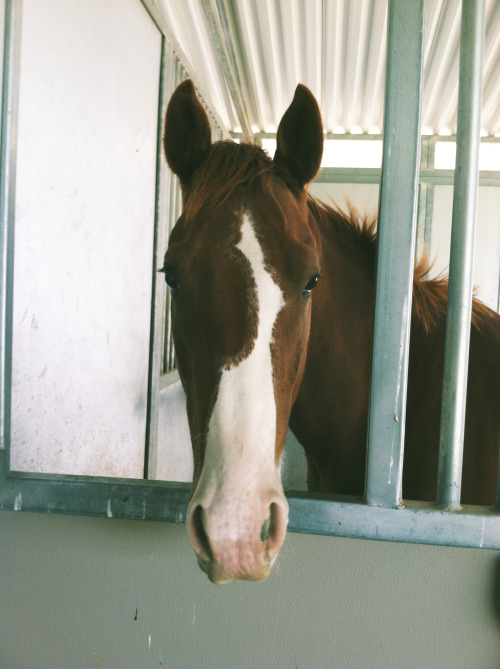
(264, 533)
(276, 530)
(199, 537)
(274, 527)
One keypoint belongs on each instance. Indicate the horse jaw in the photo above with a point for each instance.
(238, 513)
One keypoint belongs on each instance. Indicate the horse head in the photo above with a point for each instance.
(242, 262)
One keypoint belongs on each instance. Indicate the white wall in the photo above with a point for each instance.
(363, 196)
(84, 228)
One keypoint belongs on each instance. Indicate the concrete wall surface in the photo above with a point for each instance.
(108, 594)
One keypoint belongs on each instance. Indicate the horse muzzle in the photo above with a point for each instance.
(239, 541)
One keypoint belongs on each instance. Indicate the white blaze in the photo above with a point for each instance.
(240, 450)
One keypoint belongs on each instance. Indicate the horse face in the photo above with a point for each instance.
(240, 272)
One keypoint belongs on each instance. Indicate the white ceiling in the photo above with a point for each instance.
(248, 56)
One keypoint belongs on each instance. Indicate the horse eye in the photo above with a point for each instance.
(310, 285)
(171, 280)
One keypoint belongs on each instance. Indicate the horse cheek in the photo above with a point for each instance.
(199, 380)
(289, 352)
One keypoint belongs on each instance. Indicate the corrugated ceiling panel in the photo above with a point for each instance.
(262, 48)
(491, 85)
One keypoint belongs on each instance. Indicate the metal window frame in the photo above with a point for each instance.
(384, 516)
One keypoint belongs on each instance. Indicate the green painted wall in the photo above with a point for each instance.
(92, 593)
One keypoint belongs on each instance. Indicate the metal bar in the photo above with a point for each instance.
(422, 221)
(498, 306)
(158, 287)
(172, 217)
(497, 497)
(458, 320)
(8, 147)
(426, 199)
(177, 210)
(396, 248)
(371, 175)
(174, 211)
(105, 497)
(425, 215)
(478, 527)
(431, 140)
(429, 208)
(173, 76)
(415, 523)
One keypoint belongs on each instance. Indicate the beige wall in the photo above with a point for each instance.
(91, 593)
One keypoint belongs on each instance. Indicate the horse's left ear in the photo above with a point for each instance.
(300, 138)
(187, 137)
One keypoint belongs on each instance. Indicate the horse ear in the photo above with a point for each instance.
(300, 137)
(187, 137)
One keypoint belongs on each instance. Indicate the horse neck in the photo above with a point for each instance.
(345, 300)
(330, 415)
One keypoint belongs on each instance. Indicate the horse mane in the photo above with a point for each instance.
(430, 297)
(227, 166)
(359, 231)
(351, 228)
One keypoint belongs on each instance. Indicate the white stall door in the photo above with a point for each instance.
(84, 229)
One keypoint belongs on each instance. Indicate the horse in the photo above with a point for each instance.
(272, 308)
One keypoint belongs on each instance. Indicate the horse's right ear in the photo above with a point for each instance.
(300, 138)
(187, 137)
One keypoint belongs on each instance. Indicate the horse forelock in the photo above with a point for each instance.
(227, 166)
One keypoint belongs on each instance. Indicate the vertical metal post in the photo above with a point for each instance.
(158, 286)
(497, 496)
(421, 221)
(173, 211)
(396, 244)
(458, 320)
(425, 200)
(498, 296)
(8, 147)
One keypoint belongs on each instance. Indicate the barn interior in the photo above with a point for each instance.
(95, 565)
